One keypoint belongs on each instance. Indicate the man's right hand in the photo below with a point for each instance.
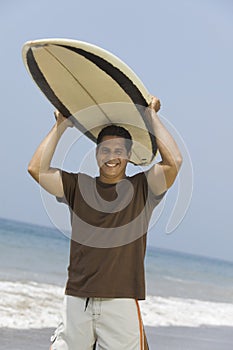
(61, 120)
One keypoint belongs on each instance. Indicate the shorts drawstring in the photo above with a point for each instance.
(86, 304)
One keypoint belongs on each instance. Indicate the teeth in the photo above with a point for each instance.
(111, 165)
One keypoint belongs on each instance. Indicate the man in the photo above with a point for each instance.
(110, 216)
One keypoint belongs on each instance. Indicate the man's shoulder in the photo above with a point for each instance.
(140, 176)
(76, 175)
(84, 180)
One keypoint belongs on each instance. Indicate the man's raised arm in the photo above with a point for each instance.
(39, 167)
(162, 175)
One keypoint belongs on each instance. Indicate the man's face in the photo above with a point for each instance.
(112, 158)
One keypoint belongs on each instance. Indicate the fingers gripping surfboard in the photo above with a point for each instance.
(94, 88)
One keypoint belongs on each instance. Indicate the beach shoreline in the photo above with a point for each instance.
(189, 303)
(160, 338)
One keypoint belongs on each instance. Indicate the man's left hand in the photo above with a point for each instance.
(155, 104)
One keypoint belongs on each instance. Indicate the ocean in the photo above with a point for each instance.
(182, 289)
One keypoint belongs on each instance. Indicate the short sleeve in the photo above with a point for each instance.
(154, 199)
(69, 181)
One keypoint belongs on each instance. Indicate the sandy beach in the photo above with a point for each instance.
(160, 338)
(189, 304)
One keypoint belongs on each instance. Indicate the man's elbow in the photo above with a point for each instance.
(33, 171)
(179, 161)
(173, 171)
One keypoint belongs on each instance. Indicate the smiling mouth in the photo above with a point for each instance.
(111, 165)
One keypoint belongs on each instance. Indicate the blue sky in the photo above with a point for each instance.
(182, 51)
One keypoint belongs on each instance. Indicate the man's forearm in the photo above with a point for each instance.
(41, 160)
(162, 175)
(167, 146)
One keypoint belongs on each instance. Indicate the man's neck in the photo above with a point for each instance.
(111, 180)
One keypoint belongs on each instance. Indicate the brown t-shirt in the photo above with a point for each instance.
(109, 226)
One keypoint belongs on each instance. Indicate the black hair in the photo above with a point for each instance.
(116, 130)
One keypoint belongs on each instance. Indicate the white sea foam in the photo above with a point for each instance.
(158, 311)
(33, 305)
(29, 305)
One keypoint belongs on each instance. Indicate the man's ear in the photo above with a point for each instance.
(96, 150)
(96, 154)
(129, 154)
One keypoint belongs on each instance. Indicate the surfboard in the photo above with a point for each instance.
(94, 88)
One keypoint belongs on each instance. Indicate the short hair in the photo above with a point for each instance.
(116, 130)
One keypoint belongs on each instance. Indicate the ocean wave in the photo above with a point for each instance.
(158, 311)
(25, 305)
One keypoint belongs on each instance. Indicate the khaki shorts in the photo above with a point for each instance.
(114, 323)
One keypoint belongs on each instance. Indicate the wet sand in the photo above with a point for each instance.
(160, 338)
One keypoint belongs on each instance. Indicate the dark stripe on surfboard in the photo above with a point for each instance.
(78, 82)
(124, 82)
(45, 87)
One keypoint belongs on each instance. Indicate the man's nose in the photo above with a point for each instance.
(111, 155)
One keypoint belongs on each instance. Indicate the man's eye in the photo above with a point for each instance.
(104, 150)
